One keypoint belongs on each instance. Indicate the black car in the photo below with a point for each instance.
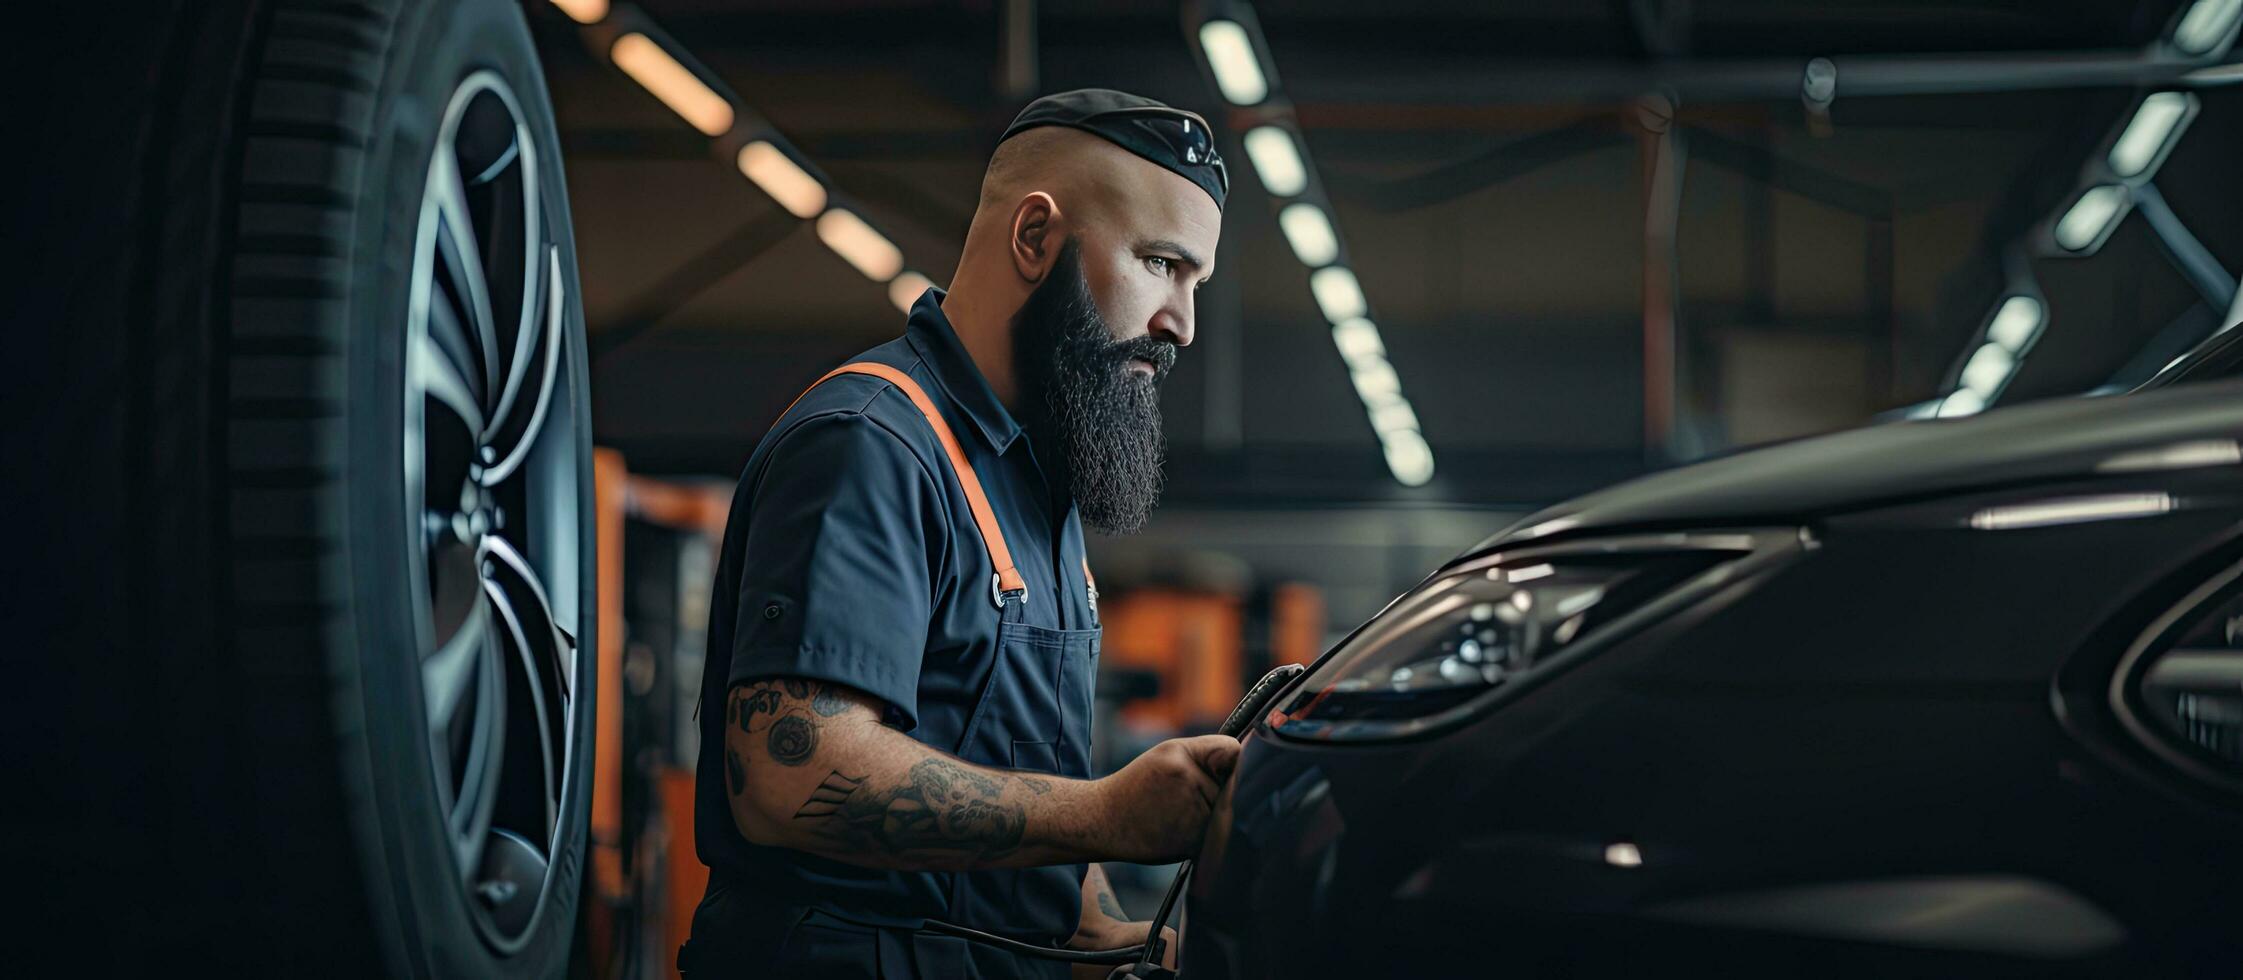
(1959, 697)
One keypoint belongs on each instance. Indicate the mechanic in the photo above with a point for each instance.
(896, 706)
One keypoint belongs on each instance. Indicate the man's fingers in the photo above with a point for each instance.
(1216, 754)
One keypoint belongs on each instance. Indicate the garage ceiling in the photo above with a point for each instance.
(1506, 262)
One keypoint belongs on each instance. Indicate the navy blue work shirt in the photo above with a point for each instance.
(850, 556)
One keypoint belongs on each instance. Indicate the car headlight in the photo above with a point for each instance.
(1493, 625)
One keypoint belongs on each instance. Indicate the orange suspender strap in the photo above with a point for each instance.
(1008, 582)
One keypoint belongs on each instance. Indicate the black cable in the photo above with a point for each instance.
(1119, 956)
(1154, 944)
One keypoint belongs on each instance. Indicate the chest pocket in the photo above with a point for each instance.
(1035, 708)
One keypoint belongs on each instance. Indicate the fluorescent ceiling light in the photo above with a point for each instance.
(1358, 340)
(2073, 510)
(2015, 323)
(1377, 383)
(1337, 293)
(1230, 54)
(684, 92)
(1393, 417)
(1276, 160)
(1987, 369)
(906, 290)
(783, 179)
(2205, 24)
(1408, 457)
(2151, 130)
(849, 237)
(1962, 402)
(583, 11)
(2090, 217)
(1310, 233)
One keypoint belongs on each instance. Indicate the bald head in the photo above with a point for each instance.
(1085, 175)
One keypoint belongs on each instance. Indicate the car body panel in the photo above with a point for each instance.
(1860, 468)
(1890, 756)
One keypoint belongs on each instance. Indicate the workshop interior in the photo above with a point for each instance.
(1651, 487)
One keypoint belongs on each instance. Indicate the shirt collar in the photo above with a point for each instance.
(931, 334)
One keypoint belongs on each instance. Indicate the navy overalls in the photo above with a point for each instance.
(853, 555)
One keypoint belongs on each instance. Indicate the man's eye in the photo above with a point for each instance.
(1159, 264)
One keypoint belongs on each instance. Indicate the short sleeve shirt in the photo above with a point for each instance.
(850, 556)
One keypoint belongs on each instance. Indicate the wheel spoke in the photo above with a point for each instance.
(486, 755)
(528, 331)
(548, 375)
(536, 683)
(441, 379)
(537, 609)
(463, 258)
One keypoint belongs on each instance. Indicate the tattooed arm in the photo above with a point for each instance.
(809, 766)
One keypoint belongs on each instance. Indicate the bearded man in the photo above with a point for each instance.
(896, 703)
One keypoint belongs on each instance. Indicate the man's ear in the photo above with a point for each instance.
(1034, 242)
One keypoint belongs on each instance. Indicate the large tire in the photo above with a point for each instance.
(260, 507)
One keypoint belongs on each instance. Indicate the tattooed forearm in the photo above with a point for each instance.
(885, 800)
(1110, 905)
(939, 805)
(826, 800)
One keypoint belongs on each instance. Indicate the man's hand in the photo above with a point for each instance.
(1105, 926)
(1161, 801)
(1116, 934)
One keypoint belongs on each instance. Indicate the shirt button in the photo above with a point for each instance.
(771, 611)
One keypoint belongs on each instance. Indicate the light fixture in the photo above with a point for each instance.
(906, 289)
(1376, 383)
(583, 11)
(684, 92)
(1276, 160)
(1960, 402)
(1987, 369)
(1358, 340)
(1310, 233)
(1230, 55)
(2072, 510)
(1623, 855)
(2015, 323)
(2205, 24)
(2090, 217)
(783, 179)
(2155, 124)
(1407, 456)
(1337, 293)
(859, 245)
(1393, 416)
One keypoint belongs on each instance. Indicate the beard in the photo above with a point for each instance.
(1093, 421)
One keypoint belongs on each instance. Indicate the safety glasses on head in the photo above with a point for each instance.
(1184, 135)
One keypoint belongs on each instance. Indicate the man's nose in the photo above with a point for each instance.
(1174, 323)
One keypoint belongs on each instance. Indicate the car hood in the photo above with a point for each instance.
(2181, 426)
